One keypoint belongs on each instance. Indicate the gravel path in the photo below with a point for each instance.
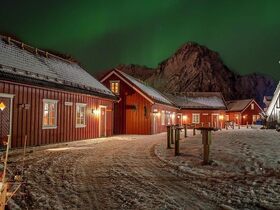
(121, 172)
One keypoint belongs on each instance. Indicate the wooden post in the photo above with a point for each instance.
(171, 134)
(206, 141)
(168, 136)
(239, 126)
(177, 138)
(247, 125)
(3, 192)
(186, 130)
(193, 131)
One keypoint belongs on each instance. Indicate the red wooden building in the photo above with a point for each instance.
(48, 98)
(243, 111)
(141, 109)
(202, 109)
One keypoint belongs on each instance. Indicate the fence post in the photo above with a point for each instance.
(206, 141)
(171, 134)
(177, 138)
(194, 131)
(186, 131)
(168, 136)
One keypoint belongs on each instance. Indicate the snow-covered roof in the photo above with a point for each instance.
(151, 92)
(272, 105)
(16, 60)
(238, 105)
(198, 100)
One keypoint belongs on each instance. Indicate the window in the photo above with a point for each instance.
(115, 87)
(49, 113)
(252, 106)
(80, 115)
(195, 118)
(162, 117)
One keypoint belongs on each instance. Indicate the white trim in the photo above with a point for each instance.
(124, 80)
(5, 95)
(102, 106)
(80, 125)
(47, 126)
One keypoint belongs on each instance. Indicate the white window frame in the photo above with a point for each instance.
(115, 81)
(193, 118)
(81, 105)
(55, 119)
(252, 106)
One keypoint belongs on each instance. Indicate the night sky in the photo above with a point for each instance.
(102, 35)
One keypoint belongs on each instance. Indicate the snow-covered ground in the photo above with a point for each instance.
(244, 171)
(123, 172)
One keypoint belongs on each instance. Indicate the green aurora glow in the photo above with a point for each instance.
(103, 34)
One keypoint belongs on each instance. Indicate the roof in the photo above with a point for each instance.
(272, 105)
(198, 100)
(22, 60)
(238, 105)
(148, 90)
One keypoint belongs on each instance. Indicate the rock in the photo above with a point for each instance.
(226, 207)
(196, 68)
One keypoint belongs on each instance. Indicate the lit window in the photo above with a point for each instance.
(80, 115)
(195, 118)
(115, 87)
(162, 117)
(252, 106)
(49, 113)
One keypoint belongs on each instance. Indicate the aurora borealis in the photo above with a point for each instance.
(103, 34)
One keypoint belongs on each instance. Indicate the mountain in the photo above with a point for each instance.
(196, 68)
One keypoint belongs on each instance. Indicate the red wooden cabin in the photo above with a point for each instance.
(243, 112)
(48, 98)
(202, 109)
(141, 109)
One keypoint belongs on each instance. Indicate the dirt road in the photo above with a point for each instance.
(119, 173)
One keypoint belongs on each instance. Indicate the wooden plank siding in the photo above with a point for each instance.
(207, 117)
(29, 121)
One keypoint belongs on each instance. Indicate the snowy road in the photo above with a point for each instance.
(120, 173)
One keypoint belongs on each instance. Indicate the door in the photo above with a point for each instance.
(102, 122)
(155, 119)
(215, 120)
(5, 120)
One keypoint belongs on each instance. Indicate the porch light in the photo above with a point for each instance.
(96, 112)
(244, 116)
(221, 117)
(2, 106)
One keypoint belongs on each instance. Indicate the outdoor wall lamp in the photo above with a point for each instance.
(95, 112)
(221, 117)
(2, 106)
